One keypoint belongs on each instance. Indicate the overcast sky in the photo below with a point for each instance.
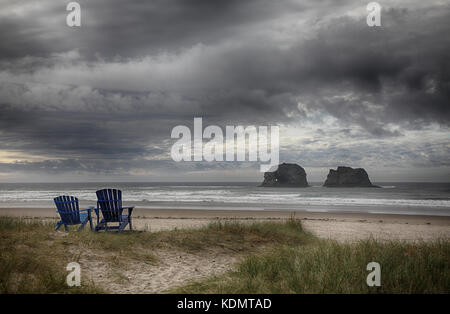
(98, 102)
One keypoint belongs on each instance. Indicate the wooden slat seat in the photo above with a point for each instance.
(70, 213)
(109, 203)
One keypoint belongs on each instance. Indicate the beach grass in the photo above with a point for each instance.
(33, 256)
(326, 266)
(228, 236)
(277, 257)
(30, 259)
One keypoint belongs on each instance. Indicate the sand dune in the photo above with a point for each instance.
(174, 268)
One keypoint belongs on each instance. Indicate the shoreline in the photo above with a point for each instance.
(342, 227)
(44, 212)
(236, 207)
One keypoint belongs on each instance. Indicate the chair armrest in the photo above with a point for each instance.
(130, 209)
(87, 209)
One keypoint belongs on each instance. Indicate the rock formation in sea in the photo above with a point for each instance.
(348, 177)
(287, 175)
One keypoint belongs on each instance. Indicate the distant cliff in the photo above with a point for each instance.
(287, 175)
(348, 177)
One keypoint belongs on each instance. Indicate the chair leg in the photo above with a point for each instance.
(90, 223)
(82, 225)
(129, 218)
(122, 226)
(66, 228)
(58, 225)
(100, 226)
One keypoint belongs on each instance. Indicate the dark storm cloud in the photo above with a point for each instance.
(135, 29)
(403, 70)
(77, 134)
(113, 89)
(161, 168)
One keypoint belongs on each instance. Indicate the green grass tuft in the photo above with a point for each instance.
(326, 266)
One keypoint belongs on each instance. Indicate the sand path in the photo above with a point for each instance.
(173, 269)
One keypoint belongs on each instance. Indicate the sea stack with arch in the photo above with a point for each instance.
(287, 175)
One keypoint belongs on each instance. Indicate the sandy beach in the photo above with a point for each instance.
(177, 267)
(338, 226)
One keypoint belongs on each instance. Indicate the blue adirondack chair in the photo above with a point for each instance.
(109, 202)
(71, 214)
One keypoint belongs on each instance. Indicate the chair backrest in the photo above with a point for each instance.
(68, 209)
(110, 203)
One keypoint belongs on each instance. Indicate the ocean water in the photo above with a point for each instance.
(395, 198)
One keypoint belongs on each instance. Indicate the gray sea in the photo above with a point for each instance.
(394, 198)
